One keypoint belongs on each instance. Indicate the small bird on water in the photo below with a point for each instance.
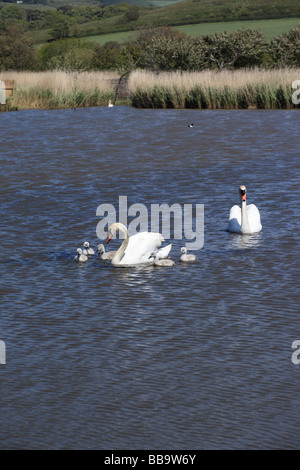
(80, 257)
(185, 257)
(105, 254)
(161, 262)
(87, 249)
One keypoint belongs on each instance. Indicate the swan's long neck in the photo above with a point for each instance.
(120, 253)
(245, 228)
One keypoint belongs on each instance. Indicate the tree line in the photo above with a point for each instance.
(158, 49)
(65, 19)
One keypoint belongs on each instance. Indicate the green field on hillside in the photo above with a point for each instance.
(194, 17)
(270, 28)
(54, 4)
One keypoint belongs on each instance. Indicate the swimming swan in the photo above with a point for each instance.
(244, 220)
(110, 105)
(108, 255)
(80, 257)
(135, 249)
(103, 254)
(87, 249)
(186, 257)
(161, 262)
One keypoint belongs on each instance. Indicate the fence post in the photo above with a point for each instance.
(9, 87)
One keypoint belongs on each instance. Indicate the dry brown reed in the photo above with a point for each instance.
(252, 88)
(236, 79)
(60, 81)
(246, 88)
(59, 89)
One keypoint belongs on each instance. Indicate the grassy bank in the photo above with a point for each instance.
(58, 89)
(253, 89)
(241, 89)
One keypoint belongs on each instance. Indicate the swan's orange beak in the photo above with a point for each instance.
(243, 193)
(109, 238)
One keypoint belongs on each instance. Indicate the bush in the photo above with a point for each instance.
(16, 51)
(285, 48)
(67, 54)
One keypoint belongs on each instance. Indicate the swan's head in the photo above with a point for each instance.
(154, 254)
(86, 244)
(100, 249)
(183, 250)
(109, 235)
(243, 192)
(79, 251)
(114, 228)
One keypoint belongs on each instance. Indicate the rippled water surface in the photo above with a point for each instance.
(194, 356)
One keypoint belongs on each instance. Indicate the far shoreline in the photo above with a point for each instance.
(236, 89)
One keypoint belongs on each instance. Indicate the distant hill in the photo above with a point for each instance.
(53, 4)
(199, 11)
(173, 13)
(189, 12)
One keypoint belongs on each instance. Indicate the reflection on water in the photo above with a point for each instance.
(241, 242)
(193, 356)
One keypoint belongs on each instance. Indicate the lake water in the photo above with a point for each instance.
(195, 356)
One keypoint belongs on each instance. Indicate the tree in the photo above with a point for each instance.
(67, 54)
(165, 48)
(12, 11)
(133, 13)
(107, 56)
(65, 8)
(285, 48)
(16, 51)
(2, 24)
(61, 28)
(242, 48)
(184, 53)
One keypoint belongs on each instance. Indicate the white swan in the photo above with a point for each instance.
(135, 249)
(103, 254)
(244, 220)
(110, 105)
(87, 249)
(164, 252)
(80, 257)
(186, 257)
(161, 262)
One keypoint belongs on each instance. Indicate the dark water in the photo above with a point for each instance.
(195, 356)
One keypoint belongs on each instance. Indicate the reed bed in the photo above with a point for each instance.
(58, 89)
(253, 88)
(241, 89)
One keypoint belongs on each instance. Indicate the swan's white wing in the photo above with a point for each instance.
(164, 252)
(140, 247)
(254, 218)
(235, 219)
